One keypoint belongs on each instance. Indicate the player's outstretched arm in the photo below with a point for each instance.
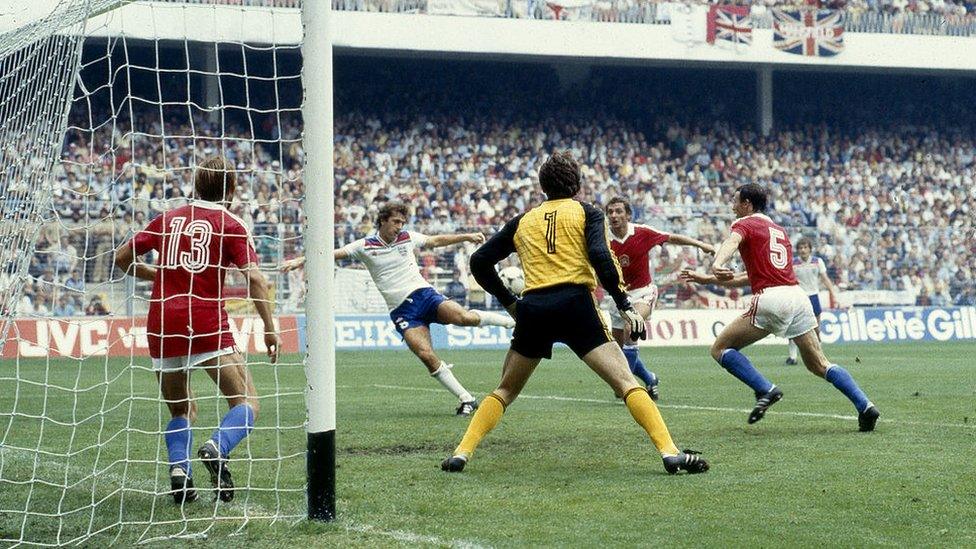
(125, 259)
(724, 254)
(440, 240)
(292, 264)
(682, 240)
(299, 262)
(257, 287)
(738, 280)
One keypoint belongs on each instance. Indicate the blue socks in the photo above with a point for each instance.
(846, 384)
(235, 426)
(738, 365)
(637, 367)
(179, 439)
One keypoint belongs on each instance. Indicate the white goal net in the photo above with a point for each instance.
(106, 109)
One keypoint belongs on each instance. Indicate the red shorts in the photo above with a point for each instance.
(183, 331)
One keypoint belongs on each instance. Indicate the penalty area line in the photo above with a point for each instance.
(698, 408)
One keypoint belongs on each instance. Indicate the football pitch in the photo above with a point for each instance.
(567, 466)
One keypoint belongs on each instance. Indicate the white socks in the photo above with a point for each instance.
(794, 350)
(447, 379)
(489, 318)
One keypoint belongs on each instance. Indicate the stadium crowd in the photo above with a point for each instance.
(890, 210)
(889, 205)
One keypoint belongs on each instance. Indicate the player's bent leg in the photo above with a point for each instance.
(515, 373)
(818, 364)
(175, 389)
(813, 358)
(738, 334)
(418, 341)
(606, 361)
(450, 312)
(232, 377)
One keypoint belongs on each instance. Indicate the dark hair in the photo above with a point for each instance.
(215, 179)
(804, 242)
(560, 176)
(755, 194)
(389, 209)
(618, 200)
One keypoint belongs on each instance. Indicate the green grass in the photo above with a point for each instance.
(572, 472)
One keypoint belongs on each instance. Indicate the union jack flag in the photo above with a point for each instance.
(730, 23)
(809, 32)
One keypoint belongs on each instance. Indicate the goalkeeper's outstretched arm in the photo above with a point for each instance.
(484, 259)
(602, 259)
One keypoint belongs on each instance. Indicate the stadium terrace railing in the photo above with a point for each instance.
(243, 3)
(655, 13)
(651, 13)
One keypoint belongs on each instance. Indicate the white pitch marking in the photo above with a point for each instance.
(411, 537)
(689, 407)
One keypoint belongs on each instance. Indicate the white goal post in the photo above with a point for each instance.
(320, 261)
(106, 109)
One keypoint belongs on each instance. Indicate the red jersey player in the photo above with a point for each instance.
(779, 306)
(187, 324)
(632, 243)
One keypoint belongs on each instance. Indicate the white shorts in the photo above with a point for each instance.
(175, 363)
(782, 310)
(646, 295)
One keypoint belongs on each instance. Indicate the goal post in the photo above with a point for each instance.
(107, 107)
(319, 265)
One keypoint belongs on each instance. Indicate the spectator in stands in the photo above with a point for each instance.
(41, 302)
(95, 307)
(64, 307)
(455, 290)
(75, 288)
(66, 257)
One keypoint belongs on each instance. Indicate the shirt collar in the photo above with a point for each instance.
(630, 232)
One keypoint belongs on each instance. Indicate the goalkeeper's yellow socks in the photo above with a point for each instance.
(647, 415)
(484, 420)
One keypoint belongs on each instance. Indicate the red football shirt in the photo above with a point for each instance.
(196, 245)
(766, 251)
(632, 250)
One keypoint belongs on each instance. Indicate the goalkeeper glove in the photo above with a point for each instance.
(638, 330)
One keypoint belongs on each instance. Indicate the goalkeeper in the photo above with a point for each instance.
(560, 244)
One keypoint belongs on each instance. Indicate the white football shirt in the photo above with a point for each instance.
(393, 266)
(808, 273)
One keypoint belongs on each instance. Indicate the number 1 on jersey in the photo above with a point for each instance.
(550, 232)
(778, 255)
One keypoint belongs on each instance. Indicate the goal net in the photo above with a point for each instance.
(106, 108)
